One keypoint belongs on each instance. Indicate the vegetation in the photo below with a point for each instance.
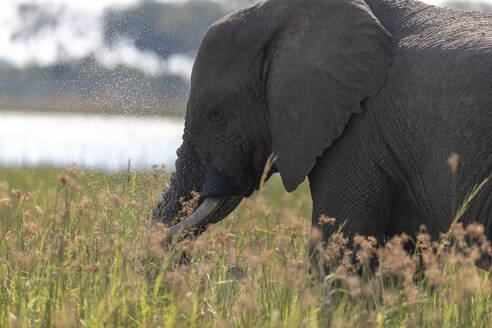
(76, 251)
(163, 28)
(87, 86)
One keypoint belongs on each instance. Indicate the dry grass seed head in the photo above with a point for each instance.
(16, 193)
(315, 237)
(188, 206)
(334, 250)
(156, 239)
(307, 301)
(62, 178)
(32, 228)
(5, 202)
(65, 318)
(20, 259)
(251, 258)
(457, 231)
(323, 219)
(394, 259)
(433, 274)
(453, 162)
(353, 284)
(246, 305)
(39, 210)
(366, 249)
(115, 201)
(475, 230)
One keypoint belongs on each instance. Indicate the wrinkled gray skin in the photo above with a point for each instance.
(366, 99)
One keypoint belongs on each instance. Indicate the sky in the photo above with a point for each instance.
(79, 34)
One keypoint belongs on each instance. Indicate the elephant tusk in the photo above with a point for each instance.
(207, 208)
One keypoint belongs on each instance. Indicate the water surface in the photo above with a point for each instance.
(100, 142)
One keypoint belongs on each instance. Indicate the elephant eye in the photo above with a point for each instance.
(215, 114)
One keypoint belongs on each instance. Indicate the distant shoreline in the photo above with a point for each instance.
(71, 105)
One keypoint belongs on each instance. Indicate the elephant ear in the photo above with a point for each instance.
(324, 58)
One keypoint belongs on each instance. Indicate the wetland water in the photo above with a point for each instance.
(99, 142)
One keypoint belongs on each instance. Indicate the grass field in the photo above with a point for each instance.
(76, 251)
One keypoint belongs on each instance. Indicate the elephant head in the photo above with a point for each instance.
(283, 77)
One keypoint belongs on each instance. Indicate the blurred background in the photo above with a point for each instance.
(103, 83)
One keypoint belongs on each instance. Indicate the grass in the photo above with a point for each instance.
(76, 251)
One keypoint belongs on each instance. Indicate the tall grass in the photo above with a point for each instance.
(76, 251)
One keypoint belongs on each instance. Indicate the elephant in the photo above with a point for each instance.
(368, 99)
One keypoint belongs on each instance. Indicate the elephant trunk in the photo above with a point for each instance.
(169, 205)
(189, 176)
(202, 213)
